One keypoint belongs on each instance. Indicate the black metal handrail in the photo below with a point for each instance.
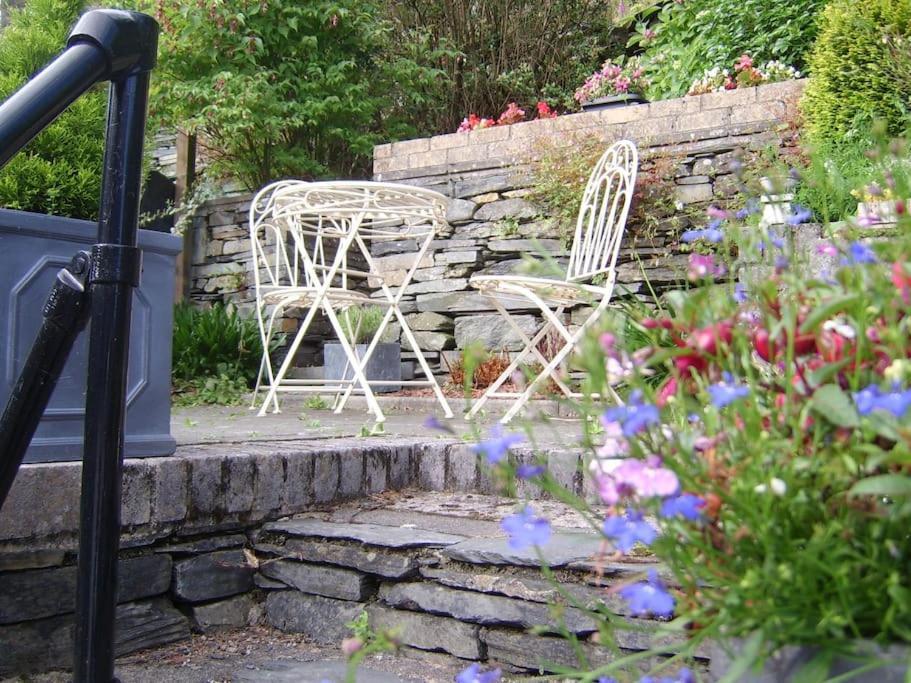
(120, 47)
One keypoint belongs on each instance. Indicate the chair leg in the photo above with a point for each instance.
(356, 366)
(409, 335)
(511, 368)
(340, 403)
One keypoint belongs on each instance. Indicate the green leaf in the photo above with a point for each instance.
(892, 485)
(816, 670)
(827, 310)
(833, 404)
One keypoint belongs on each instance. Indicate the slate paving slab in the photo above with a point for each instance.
(389, 565)
(562, 549)
(371, 534)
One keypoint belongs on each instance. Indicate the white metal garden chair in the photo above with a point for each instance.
(301, 235)
(596, 244)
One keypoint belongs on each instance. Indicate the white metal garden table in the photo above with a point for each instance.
(307, 239)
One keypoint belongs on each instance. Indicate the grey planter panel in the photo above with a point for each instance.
(385, 364)
(33, 248)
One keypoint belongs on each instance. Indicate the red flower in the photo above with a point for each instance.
(902, 281)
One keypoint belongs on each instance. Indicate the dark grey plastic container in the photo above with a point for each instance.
(33, 247)
(385, 364)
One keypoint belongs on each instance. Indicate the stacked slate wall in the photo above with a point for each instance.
(689, 149)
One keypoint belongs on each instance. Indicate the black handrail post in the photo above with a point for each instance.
(131, 41)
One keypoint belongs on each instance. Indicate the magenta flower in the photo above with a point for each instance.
(497, 444)
(649, 597)
(702, 266)
(525, 529)
(628, 530)
(646, 478)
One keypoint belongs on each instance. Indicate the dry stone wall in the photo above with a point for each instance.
(689, 148)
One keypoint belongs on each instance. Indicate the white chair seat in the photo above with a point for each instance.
(554, 292)
(596, 243)
(289, 296)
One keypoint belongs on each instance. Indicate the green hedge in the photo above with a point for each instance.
(59, 172)
(855, 65)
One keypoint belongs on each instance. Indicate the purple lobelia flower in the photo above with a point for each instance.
(525, 529)
(606, 679)
(434, 423)
(473, 674)
(751, 208)
(649, 597)
(709, 234)
(627, 530)
(873, 398)
(727, 391)
(634, 416)
(686, 505)
(528, 471)
(740, 293)
(799, 214)
(647, 478)
(497, 444)
(859, 254)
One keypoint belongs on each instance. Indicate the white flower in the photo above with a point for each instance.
(776, 486)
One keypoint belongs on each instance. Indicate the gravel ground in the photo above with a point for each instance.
(261, 653)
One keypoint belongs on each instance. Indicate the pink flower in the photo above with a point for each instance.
(716, 213)
(545, 112)
(745, 62)
(702, 266)
(615, 444)
(513, 114)
(649, 34)
(621, 84)
(647, 478)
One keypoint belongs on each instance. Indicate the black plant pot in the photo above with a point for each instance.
(612, 101)
(385, 364)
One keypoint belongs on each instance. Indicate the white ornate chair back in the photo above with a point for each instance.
(603, 213)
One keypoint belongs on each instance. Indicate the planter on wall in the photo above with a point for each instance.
(33, 247)
(612, 101)
(385, 364)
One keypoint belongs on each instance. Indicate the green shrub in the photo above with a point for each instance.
(696, 35)
(362, 322)
(59, 172)
(285, 88)
(853, 69)
(216, 354)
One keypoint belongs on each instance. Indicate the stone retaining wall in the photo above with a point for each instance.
(187, 522)
(689, 148)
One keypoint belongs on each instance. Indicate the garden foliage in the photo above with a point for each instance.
(216, 354)
(859, 65)
(59, 172)
(496, 53)
(285, 88)
(683, 39)
(768, 468)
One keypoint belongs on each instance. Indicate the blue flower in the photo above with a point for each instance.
(628, 530)
(528, 471)
(858, 254)
(686, 505)
(497, 444)
(740, 293)
(709, 234)
(751, 207)
(433, 422)
(634, 416)
(606, 679)
(525, 529)
(726, 392)
(649, 597)
(799, 214)
(872, 398)
(473, 674)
